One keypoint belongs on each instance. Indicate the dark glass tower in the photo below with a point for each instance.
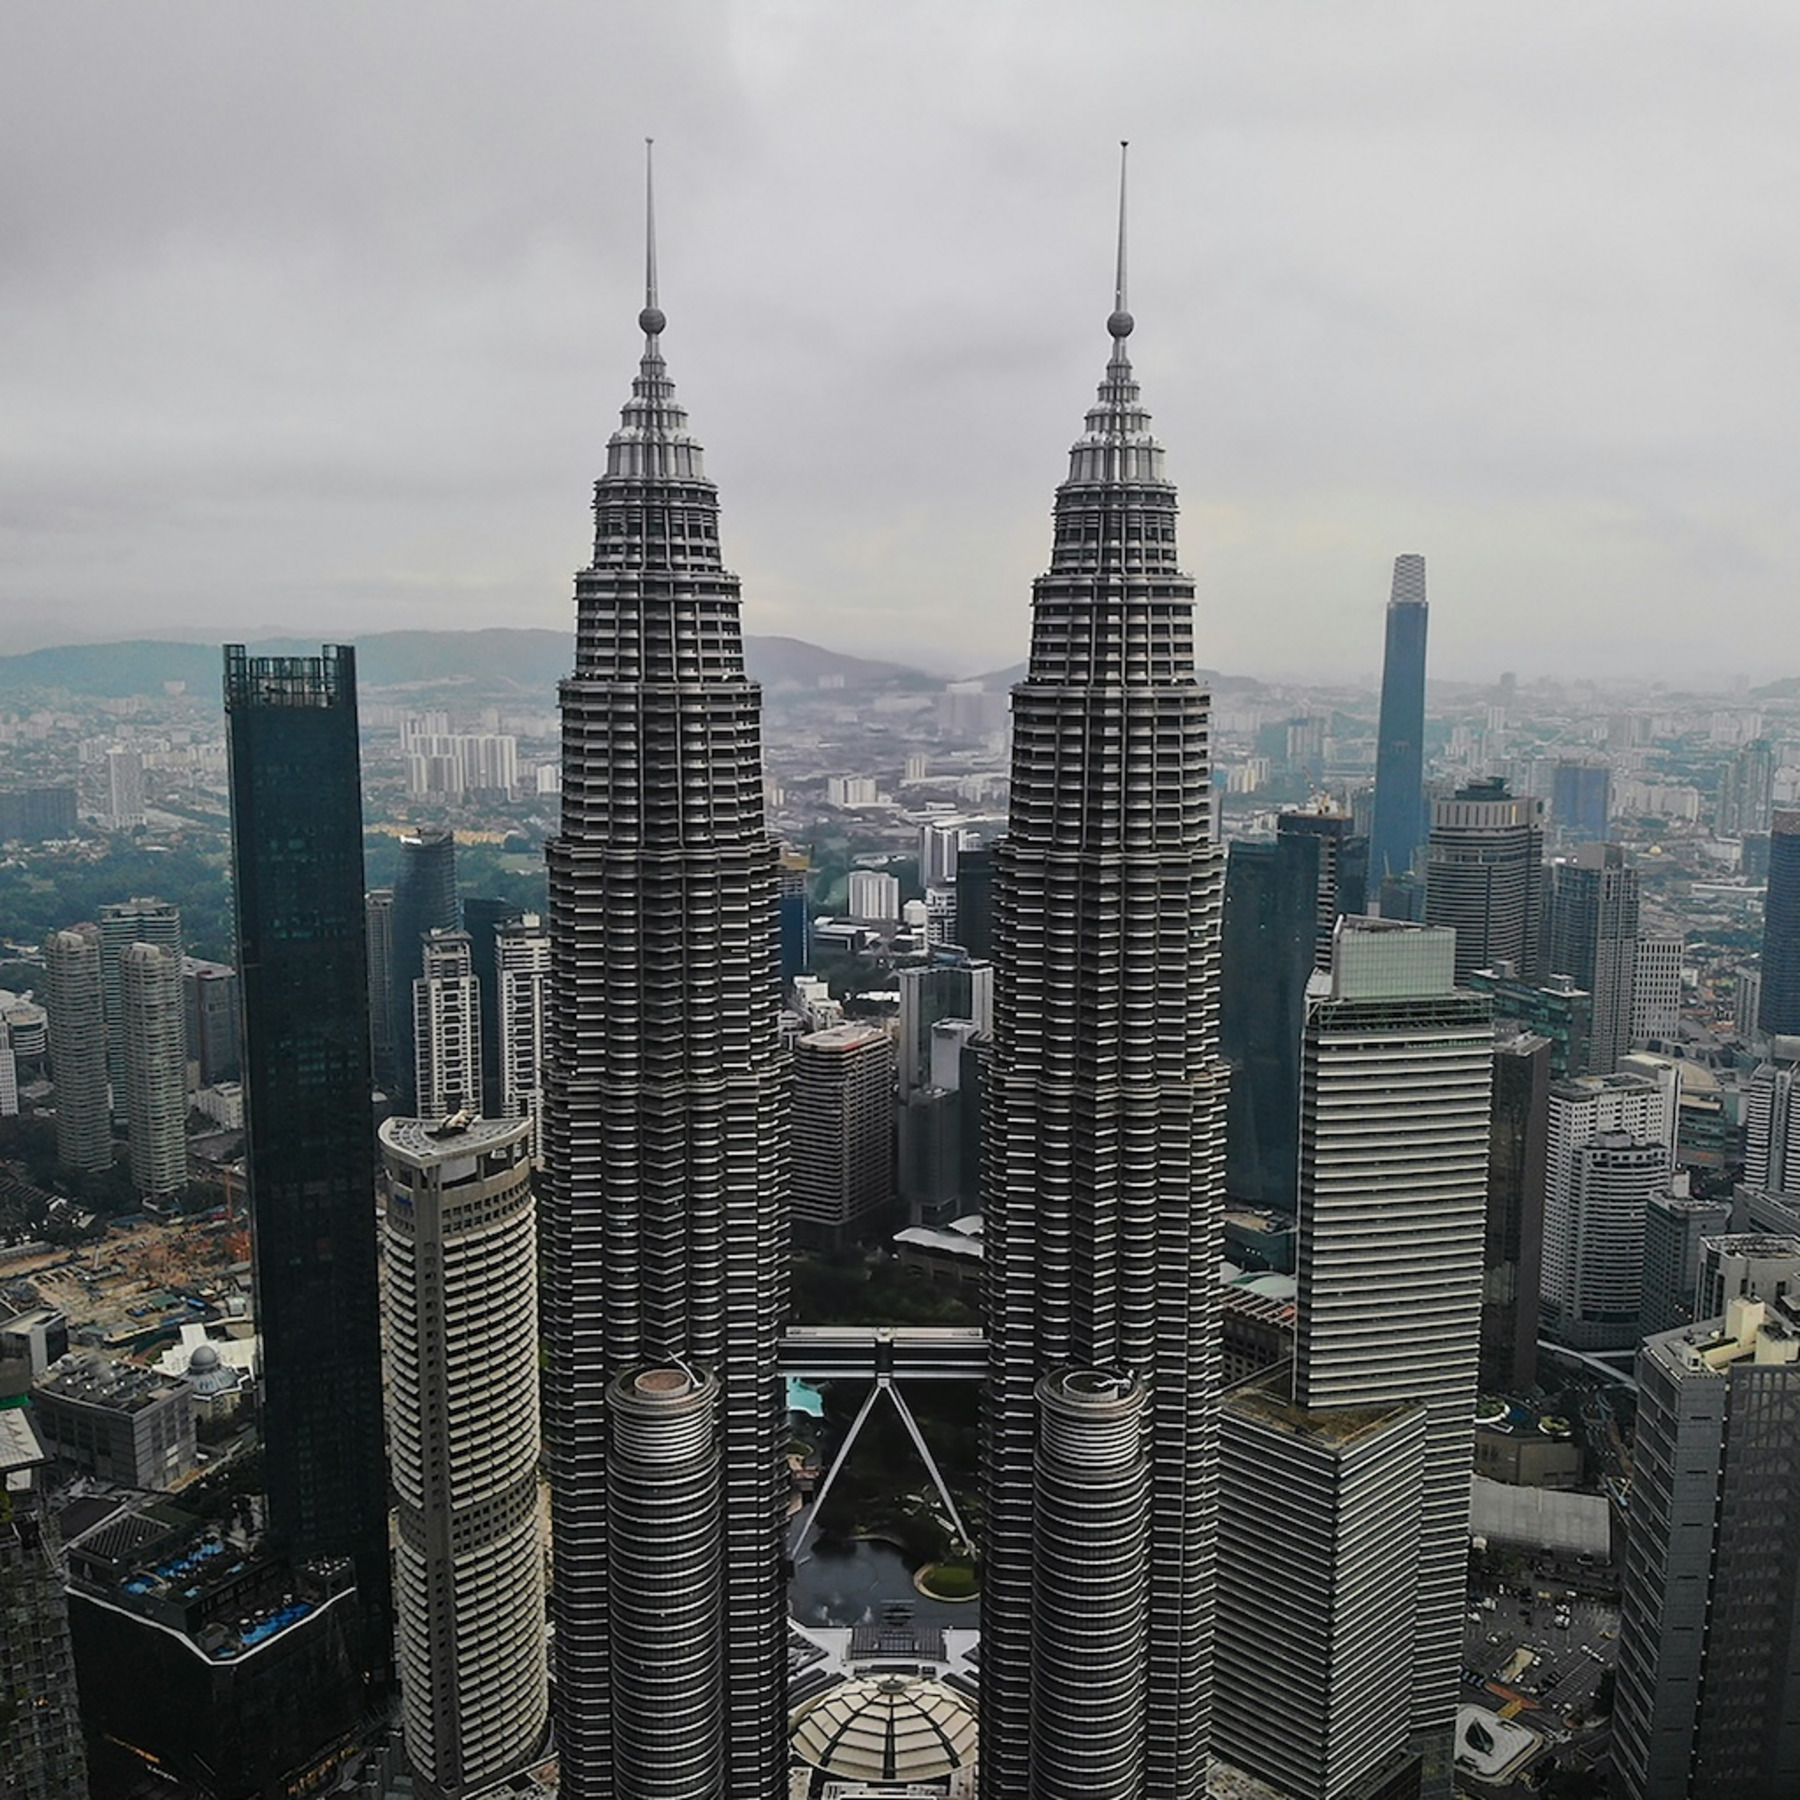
(663, 1208)
(425, 900)
(1400, 821)
(1103, 1158)
(1779, 1010)
(296, 845)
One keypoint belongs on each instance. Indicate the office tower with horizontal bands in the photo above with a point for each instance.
(155, 1044)
(459, 1307)
(296, 850)
(446, 1028)
(1484, 877)
(1779, 1012)
(75, 1003)
(522, 965)
(1656, 989)
(1399, 824)
(1104, 1146)
(663, 1195)
(842, 1133)
(123, 922)
(1396, 1074)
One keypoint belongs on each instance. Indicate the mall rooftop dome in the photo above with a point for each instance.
(888, 1728)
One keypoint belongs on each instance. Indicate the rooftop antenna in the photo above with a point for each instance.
(651, 319)
(1121, 321)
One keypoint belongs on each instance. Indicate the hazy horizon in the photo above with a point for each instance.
(327, 313)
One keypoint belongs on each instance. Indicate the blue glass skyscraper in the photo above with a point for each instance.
(1400, 823)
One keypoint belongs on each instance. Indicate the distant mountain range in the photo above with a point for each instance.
(498, 661)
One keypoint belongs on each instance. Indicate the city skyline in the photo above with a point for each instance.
(1529, 336)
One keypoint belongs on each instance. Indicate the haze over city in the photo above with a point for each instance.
(313, 315)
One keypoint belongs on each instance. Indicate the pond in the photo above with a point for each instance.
(840, 1583)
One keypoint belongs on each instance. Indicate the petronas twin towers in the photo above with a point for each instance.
(665, 1221)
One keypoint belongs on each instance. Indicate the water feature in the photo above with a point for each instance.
(840, 1583)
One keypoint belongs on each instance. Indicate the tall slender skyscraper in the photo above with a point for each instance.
(124, 922)
(1400, 821)
(1591, 934)
(1104, 1156)
(297, 866)
(663, 1210)
(76, 1004)
(425, 900)
(155, 1045)
(446, 1029)
(1779, 1010)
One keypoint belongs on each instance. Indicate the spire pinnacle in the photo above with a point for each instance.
(650, 320)
(1121, 321)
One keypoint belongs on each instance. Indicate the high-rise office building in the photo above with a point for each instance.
(1103, 1156)
(446, 1028)
(1779, 1014)
(297, 867)
(663, 1197)
(1269, 941)
(425, 900)
(1610, 1150)
(1400, 820)
(1772, 1128)
(522, 964)
(1580, 800)
(41, 1754)
(874, 897)
(75, 1002)
(1484, 876)
(459, 1293)
(378, 917)
(841, 1133)
(139, 921)
(1518, 1168)
(1394, 1176)
(1557, 1010)
(1677, 1226)
(1343, 868)
(1709, 1636)
(155, 1044)
(214, 1015)
(1591, 935)
(1656, 989)
(951, 985)
(482, 918)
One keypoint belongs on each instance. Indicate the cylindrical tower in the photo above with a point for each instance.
(664, 1499)
(1088, 1612)
(459, 1317)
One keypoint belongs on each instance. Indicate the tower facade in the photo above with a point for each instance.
(459, 1251)
(1484, 877)
(124, 922)
(446, 1028)
(1103, 1150)
(842, 1132)
(297, 867)
(521, 965)
(75, 1003)
(425, 900)
(1591, 935)
(662, 1197)
(1399, 824)
(154, 1029)
(1778, 1013)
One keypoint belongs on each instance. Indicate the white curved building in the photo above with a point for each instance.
(459, 1317)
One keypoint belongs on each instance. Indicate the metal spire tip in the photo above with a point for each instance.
(1121, 322)
(650, 320)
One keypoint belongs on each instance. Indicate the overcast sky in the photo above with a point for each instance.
(317, 316)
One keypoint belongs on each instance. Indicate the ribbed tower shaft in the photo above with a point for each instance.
(1104, 1136)
(663, 1210)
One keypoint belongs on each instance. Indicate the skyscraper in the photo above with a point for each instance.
(1343, 868)
(663, 1202)
(1591, 934)
(446, 1028)
(1512, 1260)
(296, 852)
(378, 913)
(522, 963)
(1580, 800)
(1656, 989)
(75, 1002)
(1400, 821)
(124, 789)
(1709, 1635)
(122, 922)
(1484, 877)
(1779, 1014)
(1395, 1095)
(1103, 1155)
(482, 918)
(459, 1305)
(842, 1133)
(425, 900)
(154, 1030)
